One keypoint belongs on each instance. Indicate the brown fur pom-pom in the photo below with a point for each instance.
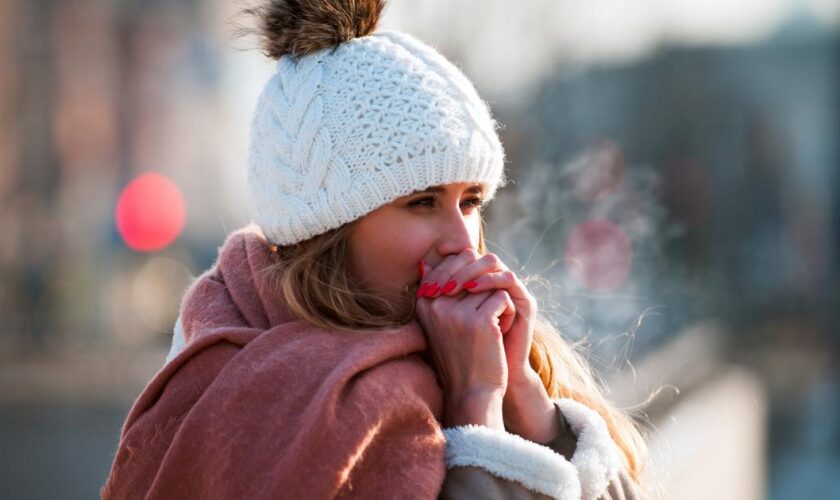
(300, 27)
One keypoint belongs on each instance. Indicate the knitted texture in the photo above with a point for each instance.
(343, 131)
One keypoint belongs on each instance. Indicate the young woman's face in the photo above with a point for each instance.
(385, 245)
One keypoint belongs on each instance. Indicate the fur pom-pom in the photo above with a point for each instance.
(300, 27)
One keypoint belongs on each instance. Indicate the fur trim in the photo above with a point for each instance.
(513, 458)
(596, 458)
(300, 27)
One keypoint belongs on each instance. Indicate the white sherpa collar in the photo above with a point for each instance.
(595, 462)
(596, 458)
(513, 458)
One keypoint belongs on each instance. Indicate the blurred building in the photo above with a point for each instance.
(92, 94)
(739, 147)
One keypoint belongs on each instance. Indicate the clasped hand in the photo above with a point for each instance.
(479, 318)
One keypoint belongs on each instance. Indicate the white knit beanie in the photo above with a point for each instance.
(354, 119)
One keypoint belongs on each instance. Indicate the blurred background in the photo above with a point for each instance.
(675, 172)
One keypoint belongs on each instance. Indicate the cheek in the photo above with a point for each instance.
(396, 256)
(386, 258)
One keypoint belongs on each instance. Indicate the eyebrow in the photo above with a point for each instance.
(476, 188)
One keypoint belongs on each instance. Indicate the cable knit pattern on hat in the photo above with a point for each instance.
(345, 130)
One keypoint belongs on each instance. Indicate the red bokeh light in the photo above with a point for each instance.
(150, 212)
(599, 255)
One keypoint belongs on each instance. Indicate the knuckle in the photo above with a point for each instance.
(532, 301)
(495, 261)
(464, 259)
(471, 253)
(492, 259)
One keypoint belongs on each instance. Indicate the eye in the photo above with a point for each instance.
(425, 202)
(429, 201)
(475, 202)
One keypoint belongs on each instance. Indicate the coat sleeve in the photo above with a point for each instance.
(581, 463)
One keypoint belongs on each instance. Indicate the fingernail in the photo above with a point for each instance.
(420, 267)
(432, 290)
(448, 287)
(422, 289)
(470, 284)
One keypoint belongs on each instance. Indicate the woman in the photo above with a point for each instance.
(359, 340)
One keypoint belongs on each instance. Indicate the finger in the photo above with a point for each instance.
(486, 264)
(425, 269)
(497, 305)
(506, 319)
(504, 280)
(451, 309)
(439, 277)
(473, 301)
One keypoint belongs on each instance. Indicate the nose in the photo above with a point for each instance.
(458, 232)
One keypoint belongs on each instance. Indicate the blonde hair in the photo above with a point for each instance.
(312, 277)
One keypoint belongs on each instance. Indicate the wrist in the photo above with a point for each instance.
(477, 408)
(529, 411)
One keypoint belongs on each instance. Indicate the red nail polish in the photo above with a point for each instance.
(470, 284)
(422, 290)
(420, 267)
(448, 287)
(432, 290)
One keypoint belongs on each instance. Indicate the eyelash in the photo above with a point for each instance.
(474, 202)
